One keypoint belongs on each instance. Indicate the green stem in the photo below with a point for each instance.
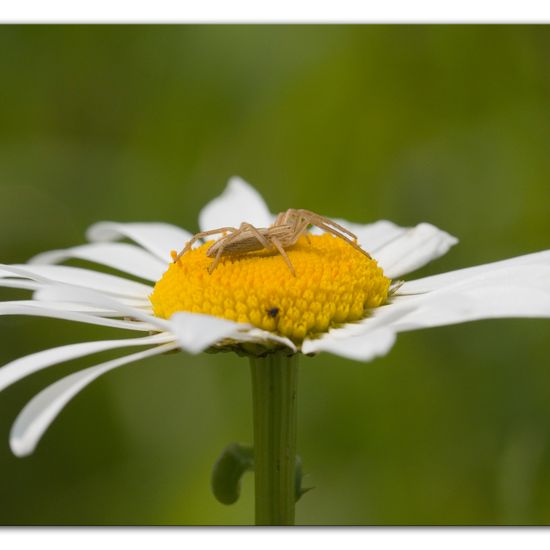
(274, 386)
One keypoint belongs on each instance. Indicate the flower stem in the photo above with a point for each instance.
(274, 387)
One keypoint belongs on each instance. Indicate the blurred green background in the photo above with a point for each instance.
(446, 124)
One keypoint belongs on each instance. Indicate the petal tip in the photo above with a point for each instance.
(196, 332)
(361, 347)
(238, 183)
(21, 447)
(238, 202)
(102, 232)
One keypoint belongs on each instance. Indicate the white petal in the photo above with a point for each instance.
(196, 332)
(258, 335)
(363, 347)
(61, 306)
(40, 412)
(24, 366)
(517, 291)
(373, 236)
(399, 250)
(414, 248)
(445, 280)
(362, 341)
(124, 257)
(43, 309)
(157, 238)
(19, 283)
(40, 294)
(370, 236)
(82, 296)
(239, 202)
(110, 284)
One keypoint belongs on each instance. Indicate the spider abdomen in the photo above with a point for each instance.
(239, 244)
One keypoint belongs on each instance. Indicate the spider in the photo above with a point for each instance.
(284, 232)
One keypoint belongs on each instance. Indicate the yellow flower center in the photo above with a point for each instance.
(334, 284)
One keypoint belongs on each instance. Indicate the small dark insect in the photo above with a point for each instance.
(284, 232)
(273, 312)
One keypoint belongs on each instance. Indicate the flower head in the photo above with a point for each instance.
(338, 300)
(334, 284)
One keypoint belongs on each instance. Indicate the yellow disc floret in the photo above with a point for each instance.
(334, 284)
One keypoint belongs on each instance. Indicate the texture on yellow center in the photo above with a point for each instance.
(334, 284)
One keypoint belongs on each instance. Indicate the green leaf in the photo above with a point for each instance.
(235, 460)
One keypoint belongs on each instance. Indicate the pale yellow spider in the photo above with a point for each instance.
(284, 232)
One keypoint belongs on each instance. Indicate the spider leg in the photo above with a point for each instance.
(305, 233)
(201, 235)
(312, 216)
(292, 223)
(225, 241)
(222, 243)
(216, 260)
(332, 227)
(277, 244)
(294, 218)
(336, 233)
(299, 228)
(256, 233)
(279, 220)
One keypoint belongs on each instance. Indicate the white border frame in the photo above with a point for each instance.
(272, 11)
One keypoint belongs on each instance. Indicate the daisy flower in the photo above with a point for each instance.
(339, 300)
